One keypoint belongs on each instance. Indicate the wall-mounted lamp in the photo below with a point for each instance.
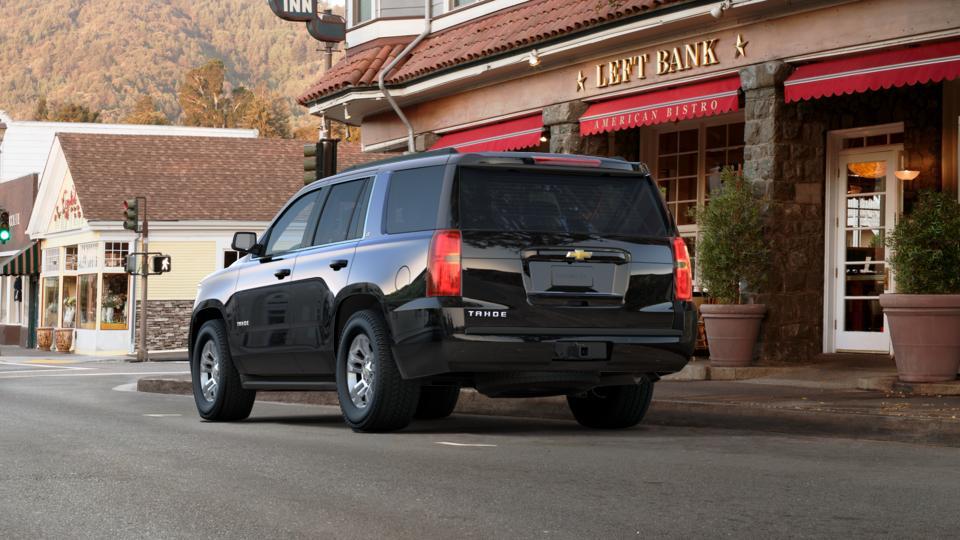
(346, 113)
(533, 58)
(903, 173)
(718, 10)
(543, 137)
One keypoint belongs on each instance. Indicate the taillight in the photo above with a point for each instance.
(683, 274)
(443, 265)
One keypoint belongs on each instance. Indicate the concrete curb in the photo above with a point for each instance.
(892, 384)
(686, 413)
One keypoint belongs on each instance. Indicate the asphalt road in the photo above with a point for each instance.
(81, 458)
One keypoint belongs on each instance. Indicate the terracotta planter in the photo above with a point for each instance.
(44, 338)
(925, 336)
(732, 331)
(64, 339)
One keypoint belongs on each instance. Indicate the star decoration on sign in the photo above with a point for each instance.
(581, 80)
(741, 46)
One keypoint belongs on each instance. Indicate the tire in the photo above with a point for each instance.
(373, 396)
(612, 407)
(226, 401)
(437, 402)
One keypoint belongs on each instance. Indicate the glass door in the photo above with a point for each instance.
(868, 200)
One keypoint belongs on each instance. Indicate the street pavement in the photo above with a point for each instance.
(83, 456)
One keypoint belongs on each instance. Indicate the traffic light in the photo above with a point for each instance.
(4, 227)
(131, 214)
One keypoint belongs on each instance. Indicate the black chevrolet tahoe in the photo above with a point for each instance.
(399, 283)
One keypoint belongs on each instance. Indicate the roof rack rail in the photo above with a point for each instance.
(404, 157)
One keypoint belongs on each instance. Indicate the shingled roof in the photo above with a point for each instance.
(183, 178)
(524, 25)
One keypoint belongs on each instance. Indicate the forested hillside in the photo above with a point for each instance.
(108, 54)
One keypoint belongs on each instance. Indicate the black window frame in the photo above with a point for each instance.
(311, 222)
(363, 201)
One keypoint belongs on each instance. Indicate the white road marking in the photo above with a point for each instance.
(129, 387)
(110, 374)
(162, 415)
(41, 366)
(445, 443)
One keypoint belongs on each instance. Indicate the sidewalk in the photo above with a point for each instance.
(817, 399)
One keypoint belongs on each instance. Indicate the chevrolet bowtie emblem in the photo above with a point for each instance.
(579, 255)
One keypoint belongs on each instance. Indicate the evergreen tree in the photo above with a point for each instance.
(145, 112)
(202, 98)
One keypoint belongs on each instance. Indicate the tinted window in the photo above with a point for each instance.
(557, 203)
(338, 213)
(413, 199)
(289, 231)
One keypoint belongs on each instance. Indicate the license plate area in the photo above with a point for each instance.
(581, 350)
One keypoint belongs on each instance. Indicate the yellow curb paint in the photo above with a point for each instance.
(46, 361)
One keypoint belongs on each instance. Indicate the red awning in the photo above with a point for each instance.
(508, 135)
(691, 101)
(873, 71)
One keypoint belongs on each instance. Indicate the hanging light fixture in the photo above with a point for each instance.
(905, 174)
(534, 58)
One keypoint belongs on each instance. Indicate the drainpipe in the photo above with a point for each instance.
(427, 19)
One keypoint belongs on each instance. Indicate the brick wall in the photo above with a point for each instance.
(168, 324)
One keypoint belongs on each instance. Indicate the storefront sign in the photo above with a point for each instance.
(67, 214)
(294, 10)
(687, 56)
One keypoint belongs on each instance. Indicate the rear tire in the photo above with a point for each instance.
(373, 396)
(437, 402)
(217, 390)
(612, 407)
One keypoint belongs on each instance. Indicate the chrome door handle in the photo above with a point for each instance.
(338, 264)
(282, 273)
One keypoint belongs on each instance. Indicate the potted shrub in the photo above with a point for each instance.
(924, 315)
(731, 254)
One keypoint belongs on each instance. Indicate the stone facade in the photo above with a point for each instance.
(168, 324)
(785, 157)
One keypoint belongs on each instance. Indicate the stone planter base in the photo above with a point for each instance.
(44, 338)
(732, 331)
(925, 336)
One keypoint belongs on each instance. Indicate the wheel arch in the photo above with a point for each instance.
(205, 311)
(358, 298)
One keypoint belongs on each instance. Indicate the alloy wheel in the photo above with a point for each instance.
(360, 371)
(209, 371)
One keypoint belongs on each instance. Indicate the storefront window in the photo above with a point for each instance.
(4, 297)
(87, 301)
(51, 260)
(678, 159)
(115, 254)
(51, 300)
(89, 256)
(70, 258)
(69, 301)
(230, 257)
(362, 10)
(114, 311)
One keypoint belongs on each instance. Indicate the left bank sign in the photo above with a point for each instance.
(294, 10)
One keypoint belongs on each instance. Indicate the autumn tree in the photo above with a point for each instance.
(264, 111)
(64, 112)
(145, 112)
(202, 98)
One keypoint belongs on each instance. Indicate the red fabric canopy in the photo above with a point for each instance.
(508, 135)
(873, 71)
(691, 101)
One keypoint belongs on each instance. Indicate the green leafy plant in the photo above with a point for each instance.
(926, 246)
(731, 249)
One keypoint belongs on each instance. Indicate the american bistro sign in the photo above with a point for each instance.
(695, 100)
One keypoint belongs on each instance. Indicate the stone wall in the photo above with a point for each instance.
(785, 157)
(168, 324)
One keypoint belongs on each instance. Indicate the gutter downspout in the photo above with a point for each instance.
(427, 21)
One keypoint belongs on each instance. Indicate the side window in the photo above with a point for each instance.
(290, 231)
(413, 199)
(338, 213)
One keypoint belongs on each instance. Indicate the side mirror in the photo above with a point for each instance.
(245, 242)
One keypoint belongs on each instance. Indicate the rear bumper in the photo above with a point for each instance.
(441, 345)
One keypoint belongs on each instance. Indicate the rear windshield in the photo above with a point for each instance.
(495, 200)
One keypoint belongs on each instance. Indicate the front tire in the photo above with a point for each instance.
(612, 407)
(217, 389)
(373, 396)
(437, 402)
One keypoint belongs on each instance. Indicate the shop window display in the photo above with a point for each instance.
(51, 301)
(69, 302)
(115, 254)
(87, 301)
(114, 304)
